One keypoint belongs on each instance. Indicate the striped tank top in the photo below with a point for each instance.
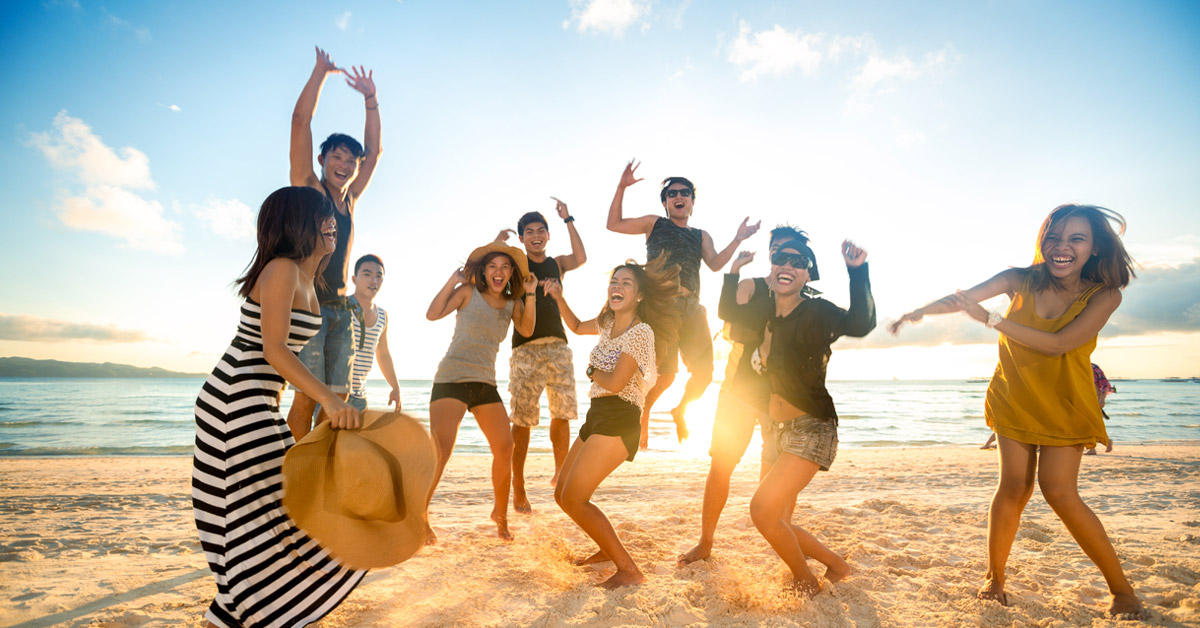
(364, 351)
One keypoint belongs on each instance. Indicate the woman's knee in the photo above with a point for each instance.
(1014, 491)
(763, 513)
(1059, 494)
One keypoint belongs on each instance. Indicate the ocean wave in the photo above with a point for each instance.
(19, 423)
(13, 450)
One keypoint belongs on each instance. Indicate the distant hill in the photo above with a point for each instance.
(28, 367)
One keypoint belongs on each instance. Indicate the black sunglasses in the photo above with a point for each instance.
(685, 193)
(798, 261)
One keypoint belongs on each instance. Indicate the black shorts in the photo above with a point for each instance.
(695, 342)
(613, 416)
(471, 393)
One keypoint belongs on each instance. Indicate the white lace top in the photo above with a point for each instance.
(638, 342)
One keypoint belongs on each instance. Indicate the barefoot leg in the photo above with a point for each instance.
(716, 494)
(1017, 467)
(445, 415)
(493, 422)
(768, 507)
(593, 460)
(520, 438)
(660, 386)
(560, 441)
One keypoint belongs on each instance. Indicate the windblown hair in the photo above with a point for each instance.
(783, 233)
(342, 140)
(658, 283)
(1111, 265)
(474, 272)
(289, 225)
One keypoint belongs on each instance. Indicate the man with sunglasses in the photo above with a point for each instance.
(685, 246)
(744, 392)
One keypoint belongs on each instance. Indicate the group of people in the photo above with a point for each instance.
(298, 325)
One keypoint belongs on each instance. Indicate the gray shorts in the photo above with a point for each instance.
(329, 355)
(538, 366)
(808, 437)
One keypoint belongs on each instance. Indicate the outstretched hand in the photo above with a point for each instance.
(325, 64)
(627, 177)
(561, 208)
(362, 80)
(853, 255)
(914, 317)
(743, 258)
(504, 235)
(746, 229)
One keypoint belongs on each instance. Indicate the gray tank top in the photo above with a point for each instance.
(478, 331)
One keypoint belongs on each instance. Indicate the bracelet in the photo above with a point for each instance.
(373, 108)
(569, 219)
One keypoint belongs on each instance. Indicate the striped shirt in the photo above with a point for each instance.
(364, 352)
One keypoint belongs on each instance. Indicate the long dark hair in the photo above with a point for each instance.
(658, 284)
(474, 272)
(1111, 266)
(289, 224)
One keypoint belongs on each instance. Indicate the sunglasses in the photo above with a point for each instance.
(685, 193)
(798, 261)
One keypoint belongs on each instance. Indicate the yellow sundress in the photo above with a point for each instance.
(1040, 399)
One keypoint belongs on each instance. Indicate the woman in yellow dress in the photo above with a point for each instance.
(1041, 402)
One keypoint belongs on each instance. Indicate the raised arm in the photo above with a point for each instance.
(616, 213)
(277, 286)
(1053, 343)
(578, 256)
(383, 357)
(450, 298)
(554, 290)
(716, 261)
(301, 148)
(362, 80)
(524, 314)
(1004, 282)
(860, 318)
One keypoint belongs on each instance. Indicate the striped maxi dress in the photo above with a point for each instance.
(268, 572)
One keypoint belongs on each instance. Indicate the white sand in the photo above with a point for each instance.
(109, 542)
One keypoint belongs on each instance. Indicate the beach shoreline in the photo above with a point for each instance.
(110, 541)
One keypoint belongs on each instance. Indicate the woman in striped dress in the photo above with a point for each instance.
(268, 572)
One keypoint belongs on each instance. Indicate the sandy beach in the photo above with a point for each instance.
(108, 542)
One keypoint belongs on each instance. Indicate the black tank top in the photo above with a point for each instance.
(339, 261)
(549, 322)
(682, 247)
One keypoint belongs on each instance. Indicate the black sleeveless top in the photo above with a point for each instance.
(681, 246)
(339, 261)
(549, 321)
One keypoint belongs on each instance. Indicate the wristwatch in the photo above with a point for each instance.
(994, 319)
(590, 372)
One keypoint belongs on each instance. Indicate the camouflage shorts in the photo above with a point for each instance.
(538, 366)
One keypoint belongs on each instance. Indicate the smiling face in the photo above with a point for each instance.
(789, 270)
(496, 273)
(326, 237)
(339, 167)
(534, 237)
(623, 292)
(1067, 246)
(678, 207)
(368, 279)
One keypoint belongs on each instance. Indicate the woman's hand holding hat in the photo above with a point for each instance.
(342, 416)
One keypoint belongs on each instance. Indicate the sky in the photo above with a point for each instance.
(139, 139)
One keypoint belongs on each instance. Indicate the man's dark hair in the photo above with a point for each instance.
(783, 233)
(669, 181)
(345, 141)
(367, 258)
(529, 219)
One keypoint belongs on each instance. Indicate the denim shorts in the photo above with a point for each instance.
(329, 355)
(809, 437)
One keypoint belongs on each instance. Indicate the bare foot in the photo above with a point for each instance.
(1108, 448)
(1125, 607)
(554, 480)
(623, 579)
(431, 537)
(1090, 452)
(806, 589)
(598, 557)
(681, 430)
(841, 572)
(521, 502)
(502, 527)
(993, 590)
(700, 552)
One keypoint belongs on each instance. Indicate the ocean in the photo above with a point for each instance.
(53, 417)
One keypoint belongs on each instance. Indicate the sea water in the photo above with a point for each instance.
(49, 416)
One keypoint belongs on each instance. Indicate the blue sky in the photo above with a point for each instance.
(140, 137)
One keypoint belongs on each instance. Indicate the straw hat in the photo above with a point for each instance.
(516, 254)
(361, 493)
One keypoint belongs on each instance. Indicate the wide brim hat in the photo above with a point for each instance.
(361, 494)
(517, 255)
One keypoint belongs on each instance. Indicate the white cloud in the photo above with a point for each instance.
(674, 15)
(882, 73)
(73, 146)
(140, 33)
(122, 214)
(35, 328)
(775, 52)
(343, 22)
(607, 16)
(174, 108)
(107, 205)
(909, 137)
(231, 218)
